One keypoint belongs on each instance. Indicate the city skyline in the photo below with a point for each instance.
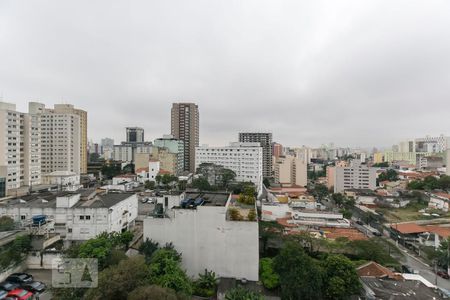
(311, 73)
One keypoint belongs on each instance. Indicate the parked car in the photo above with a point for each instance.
(35, 286)
(21, 294)
(144, 200)
(407, 269)
(19, 278)
(3, 294)
(8, 286)
(443, 274)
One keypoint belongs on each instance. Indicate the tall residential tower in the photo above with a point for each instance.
(265, 140)
(185, 127)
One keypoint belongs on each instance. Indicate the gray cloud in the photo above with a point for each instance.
(352, 72)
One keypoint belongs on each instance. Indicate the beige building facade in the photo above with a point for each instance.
(289, 170)
(20, 147)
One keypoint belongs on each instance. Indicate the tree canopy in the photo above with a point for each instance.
(300, 276)
(340, 277)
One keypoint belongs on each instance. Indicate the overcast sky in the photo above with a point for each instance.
(358, 73)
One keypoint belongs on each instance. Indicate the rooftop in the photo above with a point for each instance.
(408, 228)
(372, 269)
(48, 200)
(394, 290)
(211, 198)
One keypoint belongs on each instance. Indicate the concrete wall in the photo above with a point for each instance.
(207, 240)
(37, 260)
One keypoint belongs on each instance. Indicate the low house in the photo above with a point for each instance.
(439, 200)
(375, 270)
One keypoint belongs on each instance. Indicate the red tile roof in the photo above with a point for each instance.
(141, 170)
(439, 230)
(444, 195)
(407, 228)
(162, 171)
(372, 269)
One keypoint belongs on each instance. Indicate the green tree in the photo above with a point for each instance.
(6, 223)
(227, 176)
(158, 179)
(149, 185)
(370, 250)
(147, 248)
(338, 199)
(152, 292)
(93, 157)
(416, 185)
(182, 184)
(346, 213)
(430, 183)
(240, 293)
(202, 184)
(206, 284)
(168, 179)
(165, 271)
(102, 245)
(116, 282)
(340, 278)
(384, 164)
(389, 175)
(269, 278)
(266, 182)
(320, 191)
(300, 276)
(444, 182)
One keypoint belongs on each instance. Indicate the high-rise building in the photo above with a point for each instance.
(244, 159)
(135, 135)
(277, 150)
(265, 140)
(106, 144)
(63, 142)
(126, 151)
(174, 146)
(20, 146)
(70, 109)
(185, 127)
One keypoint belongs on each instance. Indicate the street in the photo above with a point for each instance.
(424, 269)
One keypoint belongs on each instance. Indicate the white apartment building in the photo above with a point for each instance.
(73, 218)
(289, 170)
(20, 147)
(243, 158)
(207, 238)
(355, 176)
(61, 135)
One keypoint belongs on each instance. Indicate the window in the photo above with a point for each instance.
(81, 217)
(22, 217)
(88, 217)
(69, 230)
